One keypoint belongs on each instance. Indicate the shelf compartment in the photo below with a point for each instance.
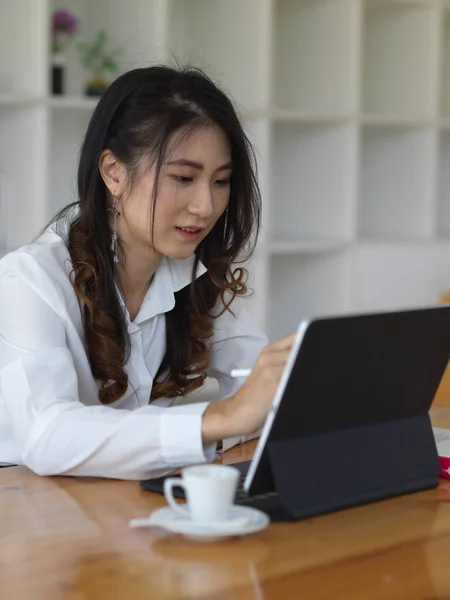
(445, 63)
(229, 41)
(258, 133)
(396, 183)
(400, 59)
(313, 181)
(67, 132)
(315, 55)
(390, 276)
(443, 221)
(23, 40)
(257, 285)
(131, 25)
(22, 168)
(304, 287)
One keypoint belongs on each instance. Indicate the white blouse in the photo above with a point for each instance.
(51, 419)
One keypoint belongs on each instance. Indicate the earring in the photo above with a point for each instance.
(114, 244)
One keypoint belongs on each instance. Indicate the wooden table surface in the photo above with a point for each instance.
(69, 538)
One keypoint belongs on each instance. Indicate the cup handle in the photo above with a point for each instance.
(169, 484)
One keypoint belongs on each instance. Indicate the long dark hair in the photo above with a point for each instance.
(134, 118)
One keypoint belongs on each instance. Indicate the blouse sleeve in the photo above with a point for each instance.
(236, 344)
(59, 435)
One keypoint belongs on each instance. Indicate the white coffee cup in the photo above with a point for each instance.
(209, 489)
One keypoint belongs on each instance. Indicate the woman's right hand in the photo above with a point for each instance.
(245, 412)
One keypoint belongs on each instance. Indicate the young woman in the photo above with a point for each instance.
(129, 298)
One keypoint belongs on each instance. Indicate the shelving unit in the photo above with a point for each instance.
(346, 101)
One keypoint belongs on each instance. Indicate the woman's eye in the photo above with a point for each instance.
(222, 182)
(182, 179)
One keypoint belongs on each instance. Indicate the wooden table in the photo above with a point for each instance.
(69, 538)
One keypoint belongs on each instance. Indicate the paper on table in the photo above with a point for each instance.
(442, 439)
(234, 441)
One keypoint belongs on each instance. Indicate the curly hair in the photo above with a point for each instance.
(135, 118)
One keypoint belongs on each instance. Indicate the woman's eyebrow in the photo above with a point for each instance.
(196, 165)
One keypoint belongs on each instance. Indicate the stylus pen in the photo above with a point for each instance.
(240, 372)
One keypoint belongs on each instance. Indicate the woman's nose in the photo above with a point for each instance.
(202, 203)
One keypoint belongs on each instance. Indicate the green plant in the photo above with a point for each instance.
(97, 57)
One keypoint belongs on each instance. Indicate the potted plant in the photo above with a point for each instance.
(100, 60)
(64, 27)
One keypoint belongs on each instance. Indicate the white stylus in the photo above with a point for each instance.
(240, 372)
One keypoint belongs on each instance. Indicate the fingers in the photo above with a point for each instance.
(272, 359)
(285, 343)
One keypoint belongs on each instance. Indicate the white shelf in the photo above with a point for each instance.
(305, 76)
(18, 100)
(23, 46)
(258, 133)
(313, 172)
(23, 166)
(396, 183)
(445, 71)
(399, 240)
(443, 221)
(398, 275)
(258, 284)
(229, 40)
(420, 3)
(67, 131)
(400, 59)
(299, 116)
(304, 287)
(286, 245)
(59, 102)
(82, 103)
(395, 121)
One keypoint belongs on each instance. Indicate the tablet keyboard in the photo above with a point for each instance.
(157, 485)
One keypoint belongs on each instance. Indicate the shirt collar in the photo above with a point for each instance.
(171, 276)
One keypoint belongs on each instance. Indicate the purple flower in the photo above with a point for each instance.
(64, 22)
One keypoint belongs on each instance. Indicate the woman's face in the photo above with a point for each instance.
(193, 192)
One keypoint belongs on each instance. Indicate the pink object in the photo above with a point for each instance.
(64, 22)
(442, 439)
(445, 467)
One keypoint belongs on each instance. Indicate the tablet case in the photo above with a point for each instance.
(344, 468)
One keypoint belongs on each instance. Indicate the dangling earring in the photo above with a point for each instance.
(114, 244)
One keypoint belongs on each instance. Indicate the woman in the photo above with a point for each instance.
(129, 300)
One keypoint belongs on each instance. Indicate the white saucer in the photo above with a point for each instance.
(243, 520)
